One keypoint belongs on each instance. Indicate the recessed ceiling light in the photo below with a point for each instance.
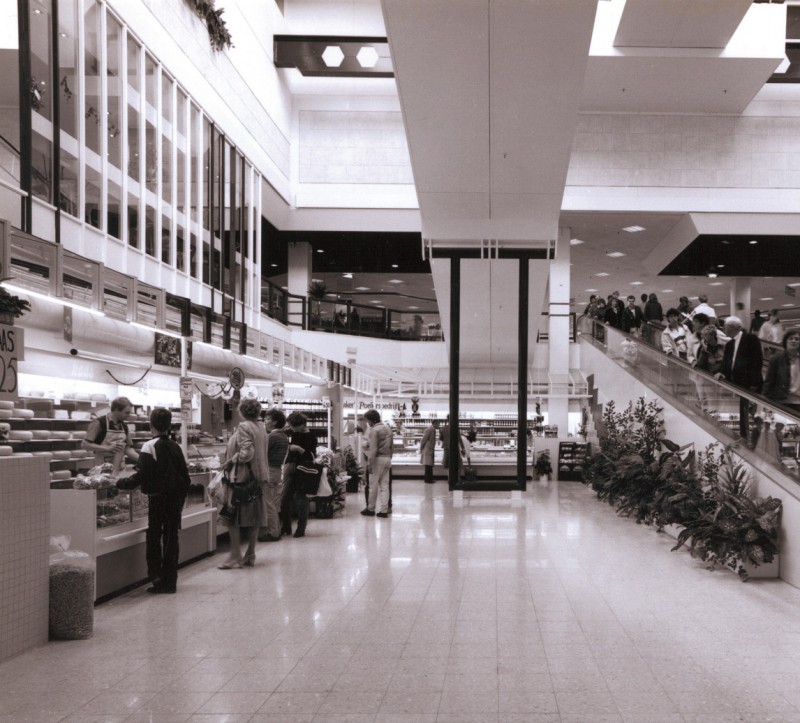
(575, 242)
(413, 307)
(285, 288)
(787, 304)
(712, 274)
(320, 251)
(716, 283)
(766, 298)
(615, 254)
(332, 56)
(636, 283)
(375, 301)
(274, 266)
(602, 273)
(362, 288)
(347, 276)
(721, 303)
(396, 281)
(667, 291)
(720, 266)
(753, 242)
(590, 290)
(684, 277)
(633, 229)
(395, 266)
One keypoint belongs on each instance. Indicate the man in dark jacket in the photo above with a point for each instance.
(632, 317)
(164, 478)
(742, 365)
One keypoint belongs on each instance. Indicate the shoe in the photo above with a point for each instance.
(232, 565)
(286, 532)
(249, 560)
(367, 512)
(430, 482)
(298, 533)
(382, 514)
(155, 589)
(270, 538)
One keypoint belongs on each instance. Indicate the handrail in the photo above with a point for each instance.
(773, 430)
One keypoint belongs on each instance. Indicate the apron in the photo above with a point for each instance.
(116, 458)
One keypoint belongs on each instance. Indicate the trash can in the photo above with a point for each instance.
(71, 595)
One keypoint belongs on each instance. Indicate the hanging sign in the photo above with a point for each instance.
(186, 388)
(236, 378)
(278, 393)
(12, 346)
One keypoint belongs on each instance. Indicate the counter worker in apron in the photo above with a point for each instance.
(108, 436)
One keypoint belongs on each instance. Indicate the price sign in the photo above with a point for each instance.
(12, 346)
(186, 410)
(186, 388)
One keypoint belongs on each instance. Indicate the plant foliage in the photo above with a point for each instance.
(12, 304)
(542, 464)
(218, 33)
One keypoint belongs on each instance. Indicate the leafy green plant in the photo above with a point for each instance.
(12, 304)
(542, 464)
(218, 34)
(678, 492)
(730, 528)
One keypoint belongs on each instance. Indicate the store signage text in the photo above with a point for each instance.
(397, 406)
(12, 344)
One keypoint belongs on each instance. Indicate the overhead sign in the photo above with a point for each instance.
(186, 388)
(236, 378)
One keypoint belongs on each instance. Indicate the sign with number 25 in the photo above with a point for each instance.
(12, 345)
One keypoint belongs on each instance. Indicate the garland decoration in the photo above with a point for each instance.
(129, 384)
(218, 32)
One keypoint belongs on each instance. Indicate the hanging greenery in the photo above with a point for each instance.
(218, 32)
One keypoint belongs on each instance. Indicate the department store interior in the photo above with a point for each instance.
(335, 206)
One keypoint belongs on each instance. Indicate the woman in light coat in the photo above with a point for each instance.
(427, 449)
(246, 454)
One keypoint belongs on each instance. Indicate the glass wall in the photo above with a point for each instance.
(69, 108)
(41, 98)
(136, 159)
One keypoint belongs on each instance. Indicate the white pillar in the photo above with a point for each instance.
(740, 300)
(558, 329)
(299, 272)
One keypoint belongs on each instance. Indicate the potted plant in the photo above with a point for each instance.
(316, 292)
(11, 307)
(542, 465)
(730, 528)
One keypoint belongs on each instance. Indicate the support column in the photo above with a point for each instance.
(558, 330)
(740, 300)
(299, 273)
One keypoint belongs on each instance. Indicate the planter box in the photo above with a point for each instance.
(765, 571)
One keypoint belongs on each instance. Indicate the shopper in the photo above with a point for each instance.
(653, 310)
(109, 437)
(757, 322)
(272, 489)
(772, 329)
(164, 478)
(381, 444)
(632, 317)
(741, 365)
(613, 315)
(698, 323)
(246, 462)
(673, 338)
(302, 445)
(684, 308)
(427, 449)
(444, 435)
(710, 351)
(704, 308)
(783, 374)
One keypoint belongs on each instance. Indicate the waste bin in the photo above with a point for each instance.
(71, 595)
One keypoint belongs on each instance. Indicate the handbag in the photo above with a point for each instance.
(307, 477)
(247, 491)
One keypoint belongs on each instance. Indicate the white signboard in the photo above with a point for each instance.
(12, 346)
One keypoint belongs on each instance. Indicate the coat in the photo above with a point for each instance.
(427, 446)
(745, 370)
(779, 378)
(632, 318)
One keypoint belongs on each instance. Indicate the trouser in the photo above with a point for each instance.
(291, 502)
(366, 487)
(428, 473)
(271, 501)
(379, 484)
(161, 539)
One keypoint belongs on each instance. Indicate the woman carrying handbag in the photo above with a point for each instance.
(247, 466)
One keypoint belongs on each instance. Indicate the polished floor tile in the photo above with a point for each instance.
(552, 609)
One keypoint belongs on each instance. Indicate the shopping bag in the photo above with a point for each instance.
(307, 477)
(219, 489)
(324, 489)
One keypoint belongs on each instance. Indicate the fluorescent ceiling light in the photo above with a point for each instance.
(396, 281)
(766, 298)
(413, 307)
(794, 285)
(590, 290)
(636, 283)
(374, 301)
(667, 291)
(362, 288)
(602, 273)
(54, 299)
(633, 229)
(347, 276)
(332, 56)
(615, 254)
(787, 304)
(575, 242)
(753, 242)
(716, 283)
(721, 303)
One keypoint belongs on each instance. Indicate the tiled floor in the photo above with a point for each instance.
(552, 610)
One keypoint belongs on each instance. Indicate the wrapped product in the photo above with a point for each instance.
(71, 595)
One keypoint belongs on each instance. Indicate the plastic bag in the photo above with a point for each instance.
(71, 595)
(219, 489)
(324, 489)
